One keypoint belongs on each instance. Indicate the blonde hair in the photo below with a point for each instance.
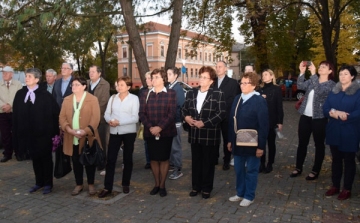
(271, 73)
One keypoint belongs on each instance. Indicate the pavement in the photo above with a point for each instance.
(279, 198)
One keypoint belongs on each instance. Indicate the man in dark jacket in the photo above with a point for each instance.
(62, 87)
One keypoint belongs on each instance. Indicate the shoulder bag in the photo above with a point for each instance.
(245, 137)
(92, 155)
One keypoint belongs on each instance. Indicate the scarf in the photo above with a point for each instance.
(76, 116)
(245, 97)
(31, 94)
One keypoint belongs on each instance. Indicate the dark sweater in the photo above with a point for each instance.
(274, 103)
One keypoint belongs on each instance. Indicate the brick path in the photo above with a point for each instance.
(278, 198)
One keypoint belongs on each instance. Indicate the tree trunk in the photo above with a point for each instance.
(134, 39)
(174, 34)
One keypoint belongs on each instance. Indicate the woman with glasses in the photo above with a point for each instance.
(78, 111)
(312, 119)
(249, 111)
(203, 111)
(157, 114)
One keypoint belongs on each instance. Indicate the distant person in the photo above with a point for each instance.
(204, 110)
(312, 119)
(35, 123)
(8, 89)
(230, 88)
(79, 110)
(273, 96)
(249, 68)
(342, 107)
(157, 113)
(288, 88)
(100, 88)
(176, 150)
(62, 87)
(50, 76)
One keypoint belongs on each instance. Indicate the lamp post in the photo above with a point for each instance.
(241, 48)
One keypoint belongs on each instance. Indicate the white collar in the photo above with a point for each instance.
(153, 89)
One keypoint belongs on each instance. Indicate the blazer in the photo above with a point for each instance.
(59, 97)
(212, 113)
(89, 115)
(102, 92)
(230, 89)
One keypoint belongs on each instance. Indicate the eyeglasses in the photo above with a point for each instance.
(65, 68)
(204, 78)
(76, 85)
(245, 83)
(155, 77)
(323, 66)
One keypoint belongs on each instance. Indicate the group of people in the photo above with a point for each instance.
(218, 107)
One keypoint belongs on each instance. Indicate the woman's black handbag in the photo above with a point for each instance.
(62, 162)
(92, 155)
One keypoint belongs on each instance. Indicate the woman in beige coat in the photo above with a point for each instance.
(78, 111)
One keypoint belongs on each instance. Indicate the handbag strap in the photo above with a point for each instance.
(235, 123)
(92, 130)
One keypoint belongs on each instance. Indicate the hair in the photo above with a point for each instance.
(253, 77)
(251, 65)
(34, 71)
(70, 64)
(98, 69)
(331, 67)
(162, 74)
(148, 73)
(271, 73)
(52, 71)
(175, 70)
(221, 61)
(351, 70)
(126, 79)
(81, 80)
(210, 70)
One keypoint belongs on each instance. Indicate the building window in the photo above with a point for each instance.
(209, 57)
(162, 50)
(196, 72)
(186, 54)
(124, 52)
(179, 53)
(205, 57)
(214, 57)
(149, 50)
(200, 55)
(191, 72)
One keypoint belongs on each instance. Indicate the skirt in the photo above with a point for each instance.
(159, 150)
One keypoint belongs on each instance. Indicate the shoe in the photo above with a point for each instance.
(316, 175)
(235, 198)
(104, 193)
(5, 159)
(126, 189)
(193, 193)
(344, 195)
(162, 192)
(47, 190)
(246, 202)
(19, 158)
(171, 168)
(147, 166)
(34, 188)
(295, 173)
(154, 191)
(268, 168)
(261, 167)
(175, 175)
(103, 173)
(332, 191)
(232, 162)
(205, 195)
(92, 190)
(77, 190)
(226, 166)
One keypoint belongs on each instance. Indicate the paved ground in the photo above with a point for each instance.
(278, 198)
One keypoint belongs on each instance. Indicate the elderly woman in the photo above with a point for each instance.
(79, 111)
(273, 96)
(203, 111)
(342, 107)
(312, 119)
(251, 112)
(157, 113)
(35, 122)
(122, 114)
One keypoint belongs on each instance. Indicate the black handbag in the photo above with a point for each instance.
(62, 162)
(92, 155)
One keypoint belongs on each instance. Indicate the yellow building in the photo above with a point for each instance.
(155, 41)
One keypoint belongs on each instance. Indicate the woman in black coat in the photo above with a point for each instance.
(272, 93)
(35, 123)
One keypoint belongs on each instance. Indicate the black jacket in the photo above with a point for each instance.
(230, 88)
(59, 97)
(274, 102)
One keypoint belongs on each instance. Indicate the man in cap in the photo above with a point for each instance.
(8, 89)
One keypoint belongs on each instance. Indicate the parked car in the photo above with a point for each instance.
(298, 94)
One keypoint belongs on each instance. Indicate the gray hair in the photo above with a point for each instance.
(36, 72)
(70, 64)
(52, 71)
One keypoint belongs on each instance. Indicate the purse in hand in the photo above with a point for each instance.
(92, 155)
(245, 137)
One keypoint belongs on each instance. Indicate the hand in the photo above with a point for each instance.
(264, 95)
(259, 153)
(342, 115)
(114, 122)
(302, 68)
(198, 124)
(312, 69)
(79, 133)
(6, 108)
(229, 147)
(280, 126)
(155, 130)
(189, 120)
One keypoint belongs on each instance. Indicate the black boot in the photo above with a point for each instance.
(262, 167)
(268, 168)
